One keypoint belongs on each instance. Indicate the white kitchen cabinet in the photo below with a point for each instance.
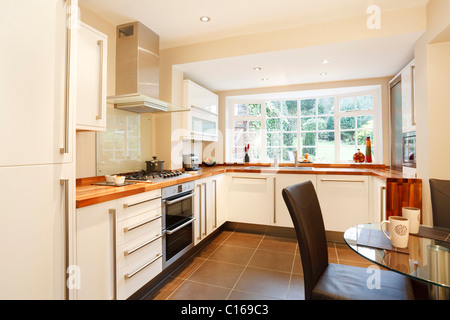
(251, 198)
(377, 199)
(408, 98)
(281, 215)
(344, 200)
(201, 122)
(95, 251)
(210, 207)
(91, 79)
(37, 84)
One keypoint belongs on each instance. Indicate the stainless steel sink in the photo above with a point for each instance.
(277, 168)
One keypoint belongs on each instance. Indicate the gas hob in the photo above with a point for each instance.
(144, 176)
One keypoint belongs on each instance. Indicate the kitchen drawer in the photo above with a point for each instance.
(137, 226)
(134, 205)
(136, 275)
(139, 249)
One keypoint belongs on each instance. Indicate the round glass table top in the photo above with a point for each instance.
(426, 258)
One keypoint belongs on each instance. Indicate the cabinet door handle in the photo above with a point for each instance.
(215, 204)
(65, 184)
(206, 209)
(274, 200)
(342, 180)
(127, 205)
(100, 102)
(130, 275)
(126, 229)
(382, 203)
(65, 148)
(199, 212)
(113, 212)
(413, 118)
(128, 252)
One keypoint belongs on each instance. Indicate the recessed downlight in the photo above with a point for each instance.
(325, 61)
(323, 73)
(257, 68)
(205, 19)
(265, 79)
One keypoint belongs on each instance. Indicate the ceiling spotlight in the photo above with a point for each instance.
(325, 61)
(257, 68)
(205, 19)
(265, 79)
(323, 73)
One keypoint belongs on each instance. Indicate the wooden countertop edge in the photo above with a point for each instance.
(88, 194)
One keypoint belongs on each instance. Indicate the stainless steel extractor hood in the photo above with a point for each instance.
(137, 71)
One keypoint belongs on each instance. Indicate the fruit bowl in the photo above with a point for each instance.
(209, 162)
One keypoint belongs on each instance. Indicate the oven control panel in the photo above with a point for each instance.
(171, 191)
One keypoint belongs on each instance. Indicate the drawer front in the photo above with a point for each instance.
(136, 275)
(138, 226)
(134, 205)
(139, 249)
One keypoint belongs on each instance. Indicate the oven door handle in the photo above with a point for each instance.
(180, 227)
(180, 199)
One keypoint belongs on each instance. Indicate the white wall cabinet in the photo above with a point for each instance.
(408, 98)
(251, 198)
(281, 215)
(119, 246)
(344, 200)
(201, 122)
(91, 80)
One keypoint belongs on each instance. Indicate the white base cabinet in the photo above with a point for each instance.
(281, 216)
(344, 200)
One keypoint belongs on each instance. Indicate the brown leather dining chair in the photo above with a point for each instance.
(440, 202)
(323, 280)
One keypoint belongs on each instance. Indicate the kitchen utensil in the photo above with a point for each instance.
(155, 165)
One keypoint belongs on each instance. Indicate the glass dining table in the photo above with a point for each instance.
(427, 257)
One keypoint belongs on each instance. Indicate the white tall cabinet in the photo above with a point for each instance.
(37, 185)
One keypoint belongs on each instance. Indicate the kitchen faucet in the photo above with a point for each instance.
(296, 159)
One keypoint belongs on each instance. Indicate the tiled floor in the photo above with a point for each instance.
(245, 266)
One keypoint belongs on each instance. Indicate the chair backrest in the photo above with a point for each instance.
(304, 208)
(440, 202)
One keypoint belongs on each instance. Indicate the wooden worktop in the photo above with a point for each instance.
(88, 194)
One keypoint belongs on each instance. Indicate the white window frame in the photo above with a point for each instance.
(377, 143)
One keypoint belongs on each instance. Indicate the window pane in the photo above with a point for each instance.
(326, 105)
(288, 154)
(254, 125)
(325, 154)
(290, 124)
(273, 139)
(348, 138)
(362, 135)
(347, 123)
(365, 122)
(364, 102)
(272, 152)
(347, 104)
(325, 123)
(326, 138)
(308, 107)
(240, 109)
(310, 151)
(309, 139)
(290, 139)
(273, 109)
(254, 109)
(309, 123)
(346, 153)
(290, 108)
(273, 124)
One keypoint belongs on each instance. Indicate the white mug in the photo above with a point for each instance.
(413, 215)
(398, 230)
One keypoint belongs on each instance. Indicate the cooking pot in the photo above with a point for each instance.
(155, 165)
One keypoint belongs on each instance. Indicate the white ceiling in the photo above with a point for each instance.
(178, 23)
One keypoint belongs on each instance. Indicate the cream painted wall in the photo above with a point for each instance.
(432, 100)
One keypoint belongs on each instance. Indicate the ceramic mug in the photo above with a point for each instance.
(119, 180)
(413, 215)
(398, 230)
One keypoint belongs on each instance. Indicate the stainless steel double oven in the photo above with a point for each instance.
(178, 221)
